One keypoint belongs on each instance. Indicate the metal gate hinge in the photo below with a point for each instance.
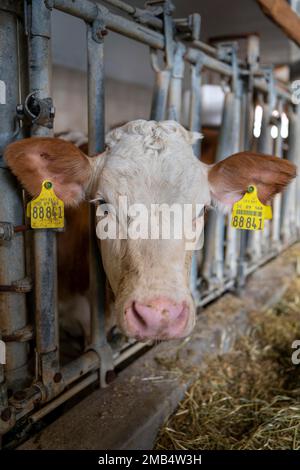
(37, 110)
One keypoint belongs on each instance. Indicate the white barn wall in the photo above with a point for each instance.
(124, 101)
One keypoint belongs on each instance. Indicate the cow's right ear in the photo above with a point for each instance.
(36, 159)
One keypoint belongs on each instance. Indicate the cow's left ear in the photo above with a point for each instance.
(230, 178)
(39, 158)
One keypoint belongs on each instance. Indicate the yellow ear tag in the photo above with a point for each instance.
(46, 210)
(249, 213)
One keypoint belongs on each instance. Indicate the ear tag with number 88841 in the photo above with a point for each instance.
(46, 210)
(249, 213)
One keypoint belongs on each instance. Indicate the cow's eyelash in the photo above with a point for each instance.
(98, 201)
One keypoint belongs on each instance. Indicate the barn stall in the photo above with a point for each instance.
(227, 87)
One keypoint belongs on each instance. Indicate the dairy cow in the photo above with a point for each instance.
(149, 163)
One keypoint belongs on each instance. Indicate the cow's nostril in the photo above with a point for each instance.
(138, 316)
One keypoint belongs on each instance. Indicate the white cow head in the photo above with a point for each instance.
(150, 164)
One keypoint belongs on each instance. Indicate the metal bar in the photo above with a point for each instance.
(223, 68)
(122, 6)
(259, 242)
(289, 200)
(142, 16)
(278, 198)
(63, 398)
(233, 235)
(195, 103)
(246, 141)
(163, 74)
(214, 255)
(195, 126)
(193, 55)
(79, 367)
(95, 54)
(89, 12)
(297, 132)
(203, 47)
(160, 95)
(175, 88)
(46, 320)
(13, 314)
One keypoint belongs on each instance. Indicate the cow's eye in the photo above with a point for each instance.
(102, 206)
(99, 201)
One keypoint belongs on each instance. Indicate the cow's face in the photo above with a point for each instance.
(151, 169)
(150, 164)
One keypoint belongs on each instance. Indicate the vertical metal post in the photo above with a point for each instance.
(175, 89)
(160, 95)
(289, 202)
(266, 145)
(278, 198)
(44, 241)
(195, 103)
(195, 125)
(259, 242)
(163, 74)
(96, 120)
(297, 183)
(247, 121)
(12, 253)
(233, 235)
(161, 89)
(214, 255)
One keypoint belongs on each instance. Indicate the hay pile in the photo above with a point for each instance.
(247, 399)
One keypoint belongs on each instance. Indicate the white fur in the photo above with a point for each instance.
(149, 162)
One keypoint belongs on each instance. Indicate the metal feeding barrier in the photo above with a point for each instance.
(32, 381)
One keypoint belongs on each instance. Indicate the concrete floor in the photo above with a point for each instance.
(128, 414)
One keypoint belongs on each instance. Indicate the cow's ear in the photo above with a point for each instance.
(230, 178)
(39, 158)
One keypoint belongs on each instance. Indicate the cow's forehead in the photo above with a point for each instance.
(171, 175)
